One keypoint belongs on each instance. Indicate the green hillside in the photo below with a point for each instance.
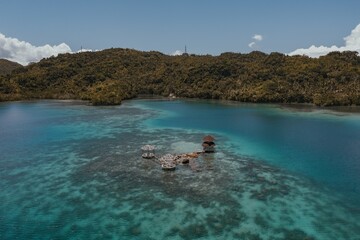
(109, 76)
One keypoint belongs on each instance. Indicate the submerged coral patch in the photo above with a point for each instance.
(101, 188)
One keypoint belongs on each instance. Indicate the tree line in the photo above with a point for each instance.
(110, 76)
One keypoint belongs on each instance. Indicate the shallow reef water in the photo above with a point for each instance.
(73, 171)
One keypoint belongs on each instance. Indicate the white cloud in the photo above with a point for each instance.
(352, 43)
(23, 52)
(86, 50)
(257, 37)
(252, 44)
(177, 53)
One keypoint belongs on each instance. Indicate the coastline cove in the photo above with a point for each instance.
(73, 171)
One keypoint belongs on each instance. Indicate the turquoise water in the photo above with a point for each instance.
(72, 171)
(322, 145)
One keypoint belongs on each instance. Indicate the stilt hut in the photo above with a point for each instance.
(168, 162)
(208, 144)
(148, 151)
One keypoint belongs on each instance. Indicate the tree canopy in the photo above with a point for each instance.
(109, 76)
(6, 66)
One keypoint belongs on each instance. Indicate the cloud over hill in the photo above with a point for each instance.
(352, 43)
(23, 52)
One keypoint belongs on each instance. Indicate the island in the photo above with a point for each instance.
(107, 77)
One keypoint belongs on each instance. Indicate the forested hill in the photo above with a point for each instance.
(109, 76)
(7, 66)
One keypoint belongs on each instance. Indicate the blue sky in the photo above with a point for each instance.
(206, 27)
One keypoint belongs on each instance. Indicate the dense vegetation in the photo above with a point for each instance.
(109, 76)
(6, 66)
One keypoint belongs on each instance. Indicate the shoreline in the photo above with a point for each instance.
(300, 107)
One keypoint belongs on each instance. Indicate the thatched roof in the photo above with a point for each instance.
(167, 157)
(208, 138)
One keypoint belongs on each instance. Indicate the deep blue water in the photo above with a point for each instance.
(73, 171)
